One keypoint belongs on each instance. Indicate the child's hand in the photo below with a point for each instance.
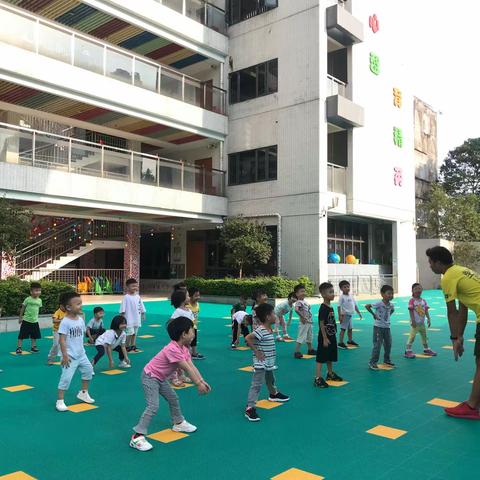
(111, 365)
(429, 323)
(203, 388)
(360, 316)
(326, 342)
(65, 361)
(260, 356)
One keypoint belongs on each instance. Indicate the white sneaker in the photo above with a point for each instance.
(60, 406)
(140, 443)
(184, 427)
(123, 364)
(85, 397)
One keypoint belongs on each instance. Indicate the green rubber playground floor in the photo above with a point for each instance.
(322, 432)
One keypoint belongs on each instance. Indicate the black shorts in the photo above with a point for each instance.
(476, 351)
(194, 341)
(327, 354)
(29, 330)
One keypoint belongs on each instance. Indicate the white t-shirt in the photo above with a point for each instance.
(183, 312)
(347, 304)
(74, 331)
(133, 307)
(95, 324)
(110, 338)
(239, 317)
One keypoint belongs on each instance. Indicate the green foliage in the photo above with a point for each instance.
(247, 243)
(15, 226)
(13, 292)
(276, 287)
(467, 254)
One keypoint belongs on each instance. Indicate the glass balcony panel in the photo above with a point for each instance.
(54, 43)
(88, 55)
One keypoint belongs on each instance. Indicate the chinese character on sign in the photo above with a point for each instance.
(398, 176)
(374, 63)
(398, 137)
(397, 97)
(374, 23)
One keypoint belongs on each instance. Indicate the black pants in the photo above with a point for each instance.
(101, 353)
(244, 329)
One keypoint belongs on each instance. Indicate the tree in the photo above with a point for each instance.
(460, 173)
(15, 226)
(467, 254)
(247, 243)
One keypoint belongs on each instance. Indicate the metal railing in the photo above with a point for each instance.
(24, 30)
(335, 86)
(337, 178)
(246, 9)
(365, 284)
(203, 12)
(47, 150)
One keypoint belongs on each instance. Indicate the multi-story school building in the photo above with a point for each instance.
(132, 129)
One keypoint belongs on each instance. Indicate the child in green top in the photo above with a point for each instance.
(28, 318)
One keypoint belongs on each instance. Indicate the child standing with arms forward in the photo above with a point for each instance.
(281, 310)
(28, 319)
(262, 342)
(133, 309)
(194, 307)
(57, 317)
(71, 332)
(327, 338)
(305, 327)
(418, 309)
(154, 380)
(381, 329)
(347, 306)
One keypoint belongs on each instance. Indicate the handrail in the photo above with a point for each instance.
(336, 80)
(133, 76)
(336, 86)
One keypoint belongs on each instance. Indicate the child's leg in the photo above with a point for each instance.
(151, 389)
(167, 392)
(309, 336)
(330, 367)
(318, 370)
(258, 380)
(387, 344)
(134, 337)
(52, 354)
(411, 338)
(342, 335)
(283, 325)
(86, 370)
(245, 330)
(118, 349)
(377, 345)
(423, 334)
(66, 378)
(270, 381)
(99, 355)
(234, 332)
(350, 334)
(194, 343)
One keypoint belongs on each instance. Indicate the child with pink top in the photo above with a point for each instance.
(155, 381)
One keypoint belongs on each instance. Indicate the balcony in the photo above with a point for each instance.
(342, 26)
(341, 111)
(203, 12)
(23, 30)
(337, 178)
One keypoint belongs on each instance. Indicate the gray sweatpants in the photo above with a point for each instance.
(381, 336)
(153, 388)
(259, 378)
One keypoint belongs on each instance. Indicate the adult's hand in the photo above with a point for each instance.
(458, 348)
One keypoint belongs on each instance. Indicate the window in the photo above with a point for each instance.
(253, 82)
(348, 238)
(252, 166)
(239, 10)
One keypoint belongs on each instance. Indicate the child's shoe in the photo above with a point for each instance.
(140, 443)
(18, 351)
(60, 406)
(287, 337)
(352, 343)
(430, 352)
(297, 355)
(184, 427)
(389, 364)
(85, 397)
(279, 338)
(251, 414)
(334, 377)
(320, 383)
(278, 397)
(198, 356)
(342, 346)
(312, 352)
(34, 350)
(409, 354)
(177, 382)
(233, 346)
(373, 366)
(463, 410)
(124, 364)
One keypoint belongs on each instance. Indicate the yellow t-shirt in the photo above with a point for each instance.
(195, 309)
(462, 284)
(58, 315)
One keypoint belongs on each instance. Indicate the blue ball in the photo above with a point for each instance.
(334, 258)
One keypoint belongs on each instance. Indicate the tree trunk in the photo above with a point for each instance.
(240, 273)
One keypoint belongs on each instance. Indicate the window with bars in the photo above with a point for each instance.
(252, 166)
(240, 10)
(348, 238)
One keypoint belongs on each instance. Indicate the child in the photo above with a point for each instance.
(194, 307)
(327, 337)
(154, 379)
(95, 325)
(240, 321)
(180, 286)
(262, 342)
(282, 309)
(57, 317)
(241, 305)
(113, 340)
(381, 329)
(305, 327)
(28, 319)
(347, 306)
(71, 332)
(418, 309)
(259, 298)
(133, 310)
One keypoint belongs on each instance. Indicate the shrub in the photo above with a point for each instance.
(13, 292)
(276, 287)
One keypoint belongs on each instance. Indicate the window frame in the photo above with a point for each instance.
(234, 160)
(234, 7)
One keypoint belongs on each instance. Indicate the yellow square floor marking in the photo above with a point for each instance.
(17, 476)
(23, 353)
(55, 363)
(387, 432)
(296, 474)
(242, 348)
(155, 325)
(434, 329)
(167, 436)
(135, 353)
(146, 336)
(246, 369)
(229, 325)
(406, 334)
(50, 337)
(382, 366)
(308, 357)
(336, 384)
(448, 347)
(267, 404)
(226, 318)
(439, 402)
(185, 385)
(81, 407)
(471, 321)
(114, 371)
(422, 355)
(403, 321)
(17, 388)
(471, 340)
(289, 340)
(356, 330)
(351, 347)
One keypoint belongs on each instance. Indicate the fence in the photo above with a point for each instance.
(365, 284)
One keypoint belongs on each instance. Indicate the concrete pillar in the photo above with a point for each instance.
(404, 256)
(131, 255)
(7, 268)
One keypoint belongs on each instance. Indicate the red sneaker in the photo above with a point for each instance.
(464, 410)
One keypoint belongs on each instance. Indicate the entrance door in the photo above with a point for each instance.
(203, 177)
(195, 257)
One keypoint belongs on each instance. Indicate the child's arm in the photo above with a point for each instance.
(358, 310)
(202, 386)
(89, 335)
(427, 314)
(412, 317)
(368, 307)
(20, 315)
(300, 314)
(326, 341)
(290, 315)
(56, 320)
(63, 348)
(108, 350)
(250, 339)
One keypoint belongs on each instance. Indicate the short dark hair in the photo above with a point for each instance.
(178, 326)
(324, 286)
(344, 283)
(131, 281)
(263, 310)
(440, 254)
(97, 310)
(292, 295)
(180, 286)
(35, 285)
(193, 290)
(298, 287)
(386, 288)
(416, 285)
(69, 296)
(178, 297)
(61, 298)
(117, 320)
(244, 295)
(259, 292)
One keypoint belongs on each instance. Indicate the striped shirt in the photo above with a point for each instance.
(266, 344)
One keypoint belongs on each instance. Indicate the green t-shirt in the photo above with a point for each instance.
(32, 307)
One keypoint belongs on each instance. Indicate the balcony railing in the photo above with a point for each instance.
(335, 87)
(204, 12)
(23, 30)
(337, 178)
(47, 150)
